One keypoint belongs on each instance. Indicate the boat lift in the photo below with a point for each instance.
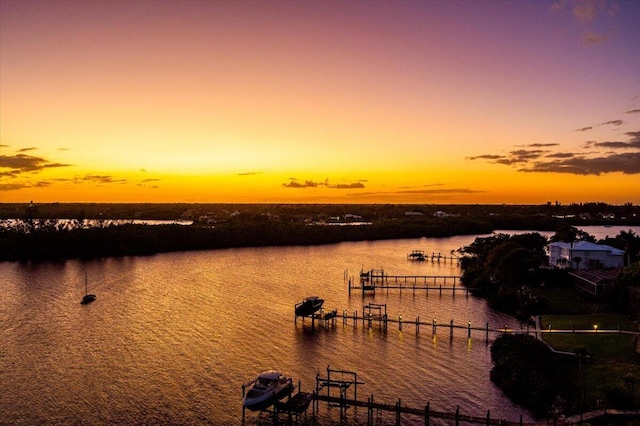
(343, 384)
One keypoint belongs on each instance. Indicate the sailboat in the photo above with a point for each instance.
(87, 298)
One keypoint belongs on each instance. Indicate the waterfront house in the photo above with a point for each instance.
(584, 255)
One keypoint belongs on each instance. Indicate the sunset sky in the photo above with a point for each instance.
(518, 102)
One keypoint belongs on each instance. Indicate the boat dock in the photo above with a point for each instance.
(421, 256)
(376, 279)
(345, 384)
(374, 315)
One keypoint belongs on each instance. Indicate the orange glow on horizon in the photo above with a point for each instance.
(295, 102)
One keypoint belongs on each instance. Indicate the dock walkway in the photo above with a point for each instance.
(377, 279)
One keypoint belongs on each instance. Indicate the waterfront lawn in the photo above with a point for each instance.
(613, 363)
(604, 321)
(566, 300)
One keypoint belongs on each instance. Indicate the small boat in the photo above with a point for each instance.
(309, 306)
(268, 388)
(417, 255)
(87, 298)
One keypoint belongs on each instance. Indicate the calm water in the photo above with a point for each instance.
(171, 338)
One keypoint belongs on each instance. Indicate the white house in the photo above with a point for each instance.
(592, 256)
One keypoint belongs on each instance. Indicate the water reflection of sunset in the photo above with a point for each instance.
(351, 102)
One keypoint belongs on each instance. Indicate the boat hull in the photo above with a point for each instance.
(269, 388)
(309, 306)
(88, 298)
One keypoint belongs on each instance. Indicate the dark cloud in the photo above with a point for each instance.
(486, 157)
(584, 129)
(22, 185)
(628, 163)
(524, 155)
(612, 123)
(514, 157)
(355, 185)
(150, 180)
(12, 186)
(542, 145)
(293, 183)
(635, 137)
(560, 155)
(633, 111)
(589, 162)
(22, 163)
(99, 179)
(615, 145)
(32, 148)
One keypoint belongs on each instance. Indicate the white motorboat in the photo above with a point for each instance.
(268, 388)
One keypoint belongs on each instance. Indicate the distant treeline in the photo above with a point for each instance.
(50, 243)
(36, 231)
(584, 214)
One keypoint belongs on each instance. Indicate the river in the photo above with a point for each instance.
(171, 338)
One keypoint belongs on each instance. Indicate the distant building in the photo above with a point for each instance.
(414, 214)
(591, 255)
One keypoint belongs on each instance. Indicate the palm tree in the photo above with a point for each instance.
(577, 259)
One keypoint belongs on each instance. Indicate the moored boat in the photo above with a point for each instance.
(417, 255)
(268, 388)
(309, 306)
(87, 298)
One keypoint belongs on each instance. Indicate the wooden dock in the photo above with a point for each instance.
(377, 279)
(346, 383)
(375, 315)
(421, 256)
(456, 418)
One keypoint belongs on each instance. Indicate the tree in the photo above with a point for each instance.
(577, 259)
(630, 243)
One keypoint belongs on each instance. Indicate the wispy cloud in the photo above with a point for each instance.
(583, 129)
(612, 123)
(250, 173)
(588, 13)
(542, 145)
(418, 195)
(633, 111)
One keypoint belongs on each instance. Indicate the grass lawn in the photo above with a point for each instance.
(604, 321)
(567, 301)
(613, 361)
